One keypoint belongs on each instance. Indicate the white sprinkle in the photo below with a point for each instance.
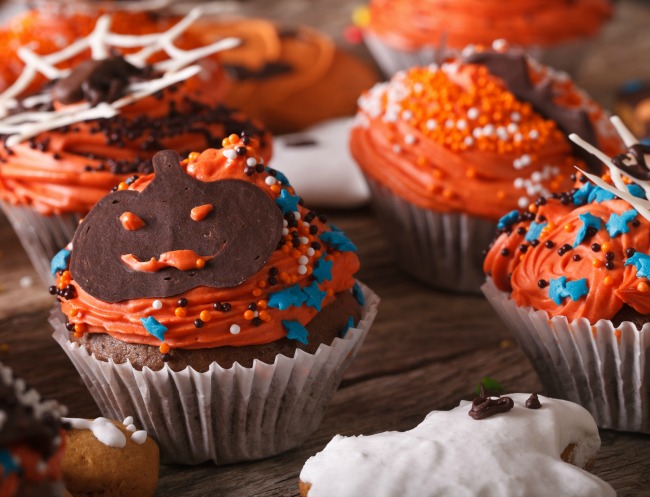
(251, 162)
(525, 160)
(477, 132)
(449, 123)
(517, 164)
(296, 215)
(502, 133)
(310, 252)
(235, 329)
(472, 113)
(461, 124)
(431, 124)
(285, 223)
(131, 427)
(229, 154)
(518, 183)
(407, 115)
(518, 137)
(515, 117)
(418, 87)
(41, 467)
(139, 437)
(303, 259)
(26, 281)
(522, 202)
(468, 50)
(433, 67)
(285, 231)
(156, 304)
(499, 45)
(469, 141)
(536, 176)
(512, 128)
(302, 269)
(256, 314)
(303, 240)
(488, 130)
(128, 421)
(270, 180)
(533, 134)
(409, 139)
(397, 149)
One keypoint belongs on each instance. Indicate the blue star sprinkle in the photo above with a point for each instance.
(508, 220)
(348, 325)
(588, 221)
(599, 194)
(60, 261)
(296, 331)
(559, 289)
(286, 298)
(581, 197)
(358, 293)
(636, 191)
(534, 231)
(617, 225)
(338, 240)
(152, 325)
(642, 264)
(287, 202)
(322, 270)
(314, 295)
(7, 463)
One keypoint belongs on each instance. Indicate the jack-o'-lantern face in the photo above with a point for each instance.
(176, 234)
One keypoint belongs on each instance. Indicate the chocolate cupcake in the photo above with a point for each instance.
(569, 277)
(208, 302)
(447, 150)
(96, 127)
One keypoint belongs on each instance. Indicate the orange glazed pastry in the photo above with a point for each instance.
(99, 125)
(570, 278)
(402, 33)
(447, 150)
(210, 283)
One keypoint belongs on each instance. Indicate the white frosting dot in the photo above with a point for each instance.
(285, 231)
(139, 437)
(270, 180)
(131, 427)
(397, 149)
(302, 269)
(230, 154)
(296, 215)
(461, 124)
(128, 421)
(515, 117)
(235, 329)
(533, 134)
(472, 113)
(431, 124)
(409, 139)
(157, 304)
(303, 259)
(469, 141)
(310, 252)
(303, 240)
(523, 202)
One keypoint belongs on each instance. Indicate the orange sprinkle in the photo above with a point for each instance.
(295, 253)
(164, 348)
(233, 138)
(597, 263)
(642, 286)
(275, 188)
(264, 316)
(501, 194)
(608, 280)
(193, 156)
(262, 304)
(262, 284)
(180, 312)
(604, 246)
(257, 292)
(286, 248)
(199, 212)
(617, 334)
(249, 315)
(200, 263)
(225, 142)
(532, 208)
(205, 316)
(79, 327)
(568, 227)
(470, 173)
(122, 186)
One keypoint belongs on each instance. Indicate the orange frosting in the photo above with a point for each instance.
(526, 270)
(240, 325)
(182, 260)
(455, 139)
(410, 25)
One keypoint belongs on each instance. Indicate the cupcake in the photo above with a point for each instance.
(208, 302)
(508, 446)
(311, 79)
(569, 278)
(403, 33)
(31, 441)
(97, 126)
(448, 150)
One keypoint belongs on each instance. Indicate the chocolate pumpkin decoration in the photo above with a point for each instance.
(223, 249)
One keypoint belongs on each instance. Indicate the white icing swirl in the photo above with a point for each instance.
(103, 429)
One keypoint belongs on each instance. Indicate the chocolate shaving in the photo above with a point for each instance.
(512, 68)
(97, 81)
(484, 406)
(533, 402)
(240, 234)
(639, 167)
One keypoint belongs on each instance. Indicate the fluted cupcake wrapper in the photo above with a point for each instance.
(41, 236)
(443, 250)
(601, 366)
(223, 415)
(566, 56)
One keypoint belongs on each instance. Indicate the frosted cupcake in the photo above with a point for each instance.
(570, 279)
(210, 302)
(448, 150)
(96, 127)
(403, 33)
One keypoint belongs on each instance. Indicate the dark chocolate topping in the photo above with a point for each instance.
(484, 406)
(240, 234)
(97, 81)
(533, 402)
(638, 168)
(269, 70)
(512, 68)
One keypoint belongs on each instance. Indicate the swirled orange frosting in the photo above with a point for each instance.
(68, 170)
(410, 25)
(539, 248)
(454, 139)
(231, 321)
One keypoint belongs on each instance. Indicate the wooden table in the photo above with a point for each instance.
(426, 351)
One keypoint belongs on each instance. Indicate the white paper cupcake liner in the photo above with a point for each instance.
(567, 56)
(601, 367)
(443, 250)
(41, 236)
(223, 415)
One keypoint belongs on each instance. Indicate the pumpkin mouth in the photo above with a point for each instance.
(183, 260)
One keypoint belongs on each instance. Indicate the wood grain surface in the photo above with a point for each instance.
(427, 350)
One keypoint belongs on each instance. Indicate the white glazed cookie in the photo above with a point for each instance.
(521, 452)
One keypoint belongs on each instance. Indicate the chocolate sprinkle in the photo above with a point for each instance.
(533, 402)
(484, 406)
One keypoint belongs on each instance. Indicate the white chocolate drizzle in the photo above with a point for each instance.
(107, 432)
(176, 68)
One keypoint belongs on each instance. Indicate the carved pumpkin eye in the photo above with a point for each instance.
(199, 212)
(131, 222)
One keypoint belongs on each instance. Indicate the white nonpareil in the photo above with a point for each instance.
(174, 69)
(449, 454)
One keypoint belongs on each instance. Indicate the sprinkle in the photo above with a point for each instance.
(559, 289)
(200, 212)
(287, 202)
(60, 261)
(270, 180)
(617, 225)
(522, 202)
(509, 219)
(358, 293)
(229, 154)
(534, 231)
(348, 325)
(157, 304)
(152, 326)
(205, 316)
(322, 270)
(252, 162)
(139, 437)
(338, 240)
(235, 329)
(642, 264)
(314, 295)
(291, 296)
(296, 331)
(131, 222)
(588, 221)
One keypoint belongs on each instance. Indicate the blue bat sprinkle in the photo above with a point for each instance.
(617, 225)
(588, 221)
(296, 331)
